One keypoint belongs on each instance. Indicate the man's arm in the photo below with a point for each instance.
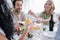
(23, 37)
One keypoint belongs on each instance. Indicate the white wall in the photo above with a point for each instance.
(38, 5)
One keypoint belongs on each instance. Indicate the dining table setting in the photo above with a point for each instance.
(39, 31)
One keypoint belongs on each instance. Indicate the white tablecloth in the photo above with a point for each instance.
(43, 35)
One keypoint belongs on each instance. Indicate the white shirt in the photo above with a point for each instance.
(1, 31)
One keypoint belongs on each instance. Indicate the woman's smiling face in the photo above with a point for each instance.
(48, 6)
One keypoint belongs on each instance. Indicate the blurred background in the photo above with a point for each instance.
(37, 6)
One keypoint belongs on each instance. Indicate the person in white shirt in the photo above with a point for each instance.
(44, 17)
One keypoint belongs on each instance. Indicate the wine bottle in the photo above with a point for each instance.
(51, 23)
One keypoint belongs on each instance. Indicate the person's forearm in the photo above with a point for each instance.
(23, 37)
(2, 37)
(36, 16)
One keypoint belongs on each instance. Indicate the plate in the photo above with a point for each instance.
(36, 27)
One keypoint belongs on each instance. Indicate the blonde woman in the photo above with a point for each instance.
(45, 15)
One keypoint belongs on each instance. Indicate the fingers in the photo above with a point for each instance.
(30, 12)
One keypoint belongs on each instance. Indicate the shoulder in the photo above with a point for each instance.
(42, 13)
(2, 37)
(12, 12)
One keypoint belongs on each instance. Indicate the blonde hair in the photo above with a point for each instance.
(52, 5)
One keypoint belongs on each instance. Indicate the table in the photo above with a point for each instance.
(43, 35)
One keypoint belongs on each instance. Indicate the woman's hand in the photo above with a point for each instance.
(39, 20)
(30, 12)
